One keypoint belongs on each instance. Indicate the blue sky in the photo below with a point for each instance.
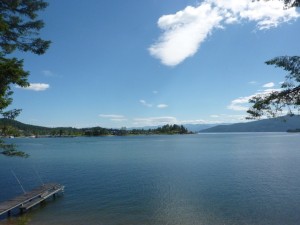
(138, 63)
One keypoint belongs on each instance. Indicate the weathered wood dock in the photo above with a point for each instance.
(30, 199)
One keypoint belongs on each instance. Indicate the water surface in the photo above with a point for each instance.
(190, 179)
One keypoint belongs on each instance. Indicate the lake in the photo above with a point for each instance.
(209, 179)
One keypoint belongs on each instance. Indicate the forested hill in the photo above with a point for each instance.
(281, 124)
(15, 128)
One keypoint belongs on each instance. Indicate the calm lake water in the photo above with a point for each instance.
(208, 179)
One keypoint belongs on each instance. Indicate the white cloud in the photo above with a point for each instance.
(144, 103)
(159, 121)
(238, 104)
(269, 85)
(253, 82)
(162, 106)
(220, 118)
(113, 117)
(154, 121)
(227, 118)
(242, 103)
(118, 119)
(155, 92)
(36, 87)
(197, 121)
(186, 30)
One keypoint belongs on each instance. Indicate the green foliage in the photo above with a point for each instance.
(171, 129)
(292, 3)
(10, 150)
(286, 99)
(19, 26)
(29, 130)
(19, 30)
(96, 131)
(11, 72)
(288, 3)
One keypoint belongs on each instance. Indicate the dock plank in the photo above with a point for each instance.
(41, 193)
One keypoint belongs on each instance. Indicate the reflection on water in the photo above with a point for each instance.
(193, 179)
(20, 220)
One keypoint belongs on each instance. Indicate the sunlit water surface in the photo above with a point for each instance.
(207, 179)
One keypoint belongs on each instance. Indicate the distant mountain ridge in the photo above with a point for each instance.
(198, 127)
(190, 127)
(280, 124)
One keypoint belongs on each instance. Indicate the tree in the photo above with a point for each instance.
(19, 30)
(285, 99)
(289, 3)
(288, 98)
(292, 3)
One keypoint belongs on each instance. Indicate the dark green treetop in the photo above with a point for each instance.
(292, 3)
(285, 99)
(288, 98)
(19, 26)
(19, 30)
(288, 3)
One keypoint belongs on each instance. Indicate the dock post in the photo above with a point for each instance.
(25, 202)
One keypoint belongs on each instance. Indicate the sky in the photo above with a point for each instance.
(146, 63)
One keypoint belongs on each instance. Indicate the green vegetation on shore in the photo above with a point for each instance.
(17, 129)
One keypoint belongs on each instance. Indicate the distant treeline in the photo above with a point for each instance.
(15, 128)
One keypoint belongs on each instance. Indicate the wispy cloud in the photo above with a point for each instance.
(159, 121)
(197, 121)
(253, 82)
(36, 87)
(242, 103)
(154, 121)
(239, 103)
(113, 117)
(47, 73)
(269, 85)
(186, 30)
(228, 118)
(144, 103)
(162, 106)
(155, 92)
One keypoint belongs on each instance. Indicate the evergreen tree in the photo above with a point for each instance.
(19, 30)
(288, 98)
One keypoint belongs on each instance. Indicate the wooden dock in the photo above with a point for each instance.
(30, 199)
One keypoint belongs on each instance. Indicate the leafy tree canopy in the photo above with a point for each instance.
(19, 26)
(19, 30)
(292, 3)
(287, 98)
(288, 3)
